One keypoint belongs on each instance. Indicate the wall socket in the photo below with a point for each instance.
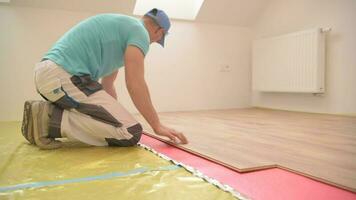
(225, 68)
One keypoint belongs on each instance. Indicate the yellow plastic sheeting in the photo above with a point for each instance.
(83, 172)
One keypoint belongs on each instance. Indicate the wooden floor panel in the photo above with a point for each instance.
(319, 146)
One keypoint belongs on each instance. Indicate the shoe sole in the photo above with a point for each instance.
(27, 124)
(36, 112)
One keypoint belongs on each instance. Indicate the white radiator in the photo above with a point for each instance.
(293, 62)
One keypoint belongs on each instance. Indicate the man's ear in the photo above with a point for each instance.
(162, 30)
(159, 29)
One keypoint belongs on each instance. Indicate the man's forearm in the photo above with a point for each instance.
(111, 91)
(108, 84)
(140, 96)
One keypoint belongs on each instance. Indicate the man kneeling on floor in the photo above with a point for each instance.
(80, 108)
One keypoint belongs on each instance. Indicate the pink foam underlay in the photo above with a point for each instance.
(264, 184)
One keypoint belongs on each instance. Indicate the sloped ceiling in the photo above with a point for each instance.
(229, 12)
(232, 12)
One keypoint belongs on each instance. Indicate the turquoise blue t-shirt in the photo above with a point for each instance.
(96, 46)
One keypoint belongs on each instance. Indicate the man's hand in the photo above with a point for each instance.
(138, 90)
(172, 134)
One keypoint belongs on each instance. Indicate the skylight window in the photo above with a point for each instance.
(176, 9)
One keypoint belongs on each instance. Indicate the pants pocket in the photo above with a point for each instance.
(86, 84)
(51, 89)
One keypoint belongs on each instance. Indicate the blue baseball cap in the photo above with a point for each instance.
(162, 19)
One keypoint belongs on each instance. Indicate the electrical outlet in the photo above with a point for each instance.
(225, 68)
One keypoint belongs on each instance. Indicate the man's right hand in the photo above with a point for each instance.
(173, 135)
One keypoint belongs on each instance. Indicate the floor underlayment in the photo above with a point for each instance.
(270, 184)
(82, 172)
(319, 146)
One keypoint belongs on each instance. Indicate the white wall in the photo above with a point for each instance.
(183, 76)
(283, 16)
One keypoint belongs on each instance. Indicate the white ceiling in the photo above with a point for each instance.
(233, 12)
(230, 12)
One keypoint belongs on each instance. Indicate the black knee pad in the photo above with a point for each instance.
(135, 131)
